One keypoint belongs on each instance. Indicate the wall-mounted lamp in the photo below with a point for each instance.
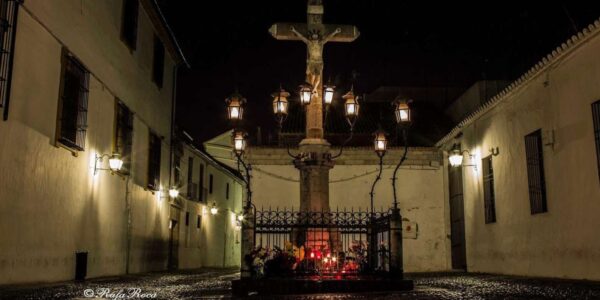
(456, 157)
(214, 210)
(115, 163)
(494, 151)
(173, 192)
(240, 217)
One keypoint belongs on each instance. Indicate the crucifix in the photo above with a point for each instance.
(315, 35)
(315, 160)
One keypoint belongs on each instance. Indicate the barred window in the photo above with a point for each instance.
(124, 135)
(535, 172)
(178, 153)
(129, 23)
(596, 120)
(201, 196)
(489, 196)
(73, 103)
(227, 191)
(210, 183)
(158, 63)
(9, 10)
(154, 154)
(187, 218)
(198, 222)
(190, 184)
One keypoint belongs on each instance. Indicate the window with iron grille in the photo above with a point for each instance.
(154, 153)
(227, 191)
(198, 222)
(187, 218)
(210, 184)
(190, 183)
(489, 196)
(9, 10)
(201, 184)
(158, 63)
(596, 120)
(73, 103)
(129, 23)
(123, 135)
(177, 154)
(535, 172)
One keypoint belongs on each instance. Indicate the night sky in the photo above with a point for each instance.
(407, 44)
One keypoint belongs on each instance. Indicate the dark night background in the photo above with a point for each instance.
(429, 44)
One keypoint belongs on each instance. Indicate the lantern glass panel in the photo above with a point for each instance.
(115, 163)
(455, 159)
(328, 95)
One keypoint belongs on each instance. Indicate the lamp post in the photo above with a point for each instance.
(380, 146)
(403, 121)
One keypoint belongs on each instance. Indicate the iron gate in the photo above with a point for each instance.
(336, 243)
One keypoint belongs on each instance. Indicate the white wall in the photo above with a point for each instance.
(217, 242)
(563, 242)
(421, 194)
(51, 204)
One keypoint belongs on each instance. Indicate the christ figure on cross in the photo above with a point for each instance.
(314, 54)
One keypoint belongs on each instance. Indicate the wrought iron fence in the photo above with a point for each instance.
(339, 243)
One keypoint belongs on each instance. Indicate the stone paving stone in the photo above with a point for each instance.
(215, 283)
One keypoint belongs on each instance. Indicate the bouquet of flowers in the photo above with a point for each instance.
(357, 256)
(256, 260)
(283, 261)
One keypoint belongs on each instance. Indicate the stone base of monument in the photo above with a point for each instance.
(288, 286)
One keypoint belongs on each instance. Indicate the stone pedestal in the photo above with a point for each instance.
(396, 263)
(314, 165)
(247, 241)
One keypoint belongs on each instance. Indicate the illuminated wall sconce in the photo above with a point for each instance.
(214, 210)
(456, 157)
(173, 192)
(115, 163)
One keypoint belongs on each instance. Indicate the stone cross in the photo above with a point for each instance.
(315, 35)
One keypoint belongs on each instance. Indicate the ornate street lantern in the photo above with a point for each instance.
(173, 192)
(214, 210)
(280, 105)
(351, 107)
(456, 157)
(305, 94)
(235, 107)
(239, 142)
(328, 94)
(380, 142)
(115, 162)
(402, 111)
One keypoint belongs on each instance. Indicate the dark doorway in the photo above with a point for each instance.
(174, 240)
(457, 218)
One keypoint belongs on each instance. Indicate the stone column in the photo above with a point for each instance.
(396, 262)
(247, 240)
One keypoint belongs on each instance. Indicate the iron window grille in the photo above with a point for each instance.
(191, 193)
(187, 218)
(154, 154)
(210, 183)
(124, 135)
(201, 194)
(489, 196)
(596, 120)
(129, 24)
(9, 10)
(227, 191)
(535, 172)
(158, 62)
(198, 222)
(74, 103)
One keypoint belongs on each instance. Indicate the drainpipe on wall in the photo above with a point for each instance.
(128, 231)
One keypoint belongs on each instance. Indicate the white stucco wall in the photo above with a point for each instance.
(421, 194)
(563, 242)
(51, 204)
(217, 242)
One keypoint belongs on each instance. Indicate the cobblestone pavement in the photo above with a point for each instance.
(210, 284)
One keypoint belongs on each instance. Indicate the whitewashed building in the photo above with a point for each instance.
(82, 80)
(531, 189)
